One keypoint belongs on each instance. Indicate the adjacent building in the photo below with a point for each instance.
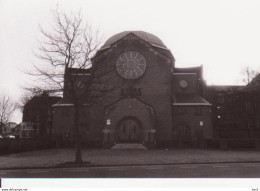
(236, 110)
(37, 116)
(8, 128)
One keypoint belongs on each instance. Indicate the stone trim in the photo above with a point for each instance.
(184, 73)
(66, 105)
(192, 104)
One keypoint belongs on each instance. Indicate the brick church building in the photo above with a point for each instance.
(152, 102)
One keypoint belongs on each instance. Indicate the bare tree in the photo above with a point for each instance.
(26, 96)
(248, 74)
(7, 108)
(66, 53)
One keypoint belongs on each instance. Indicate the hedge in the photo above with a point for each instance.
(9, 146)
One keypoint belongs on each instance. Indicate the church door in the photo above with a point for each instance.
(129, 131)
(184, 136)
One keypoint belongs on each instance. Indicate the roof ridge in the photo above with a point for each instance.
(148, 37)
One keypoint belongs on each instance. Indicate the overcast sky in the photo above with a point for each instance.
(221, 35)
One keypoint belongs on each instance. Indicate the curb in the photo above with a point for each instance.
(117, 165)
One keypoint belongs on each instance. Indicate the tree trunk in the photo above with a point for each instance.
(78, 157)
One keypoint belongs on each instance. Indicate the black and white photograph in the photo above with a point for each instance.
(109, 94)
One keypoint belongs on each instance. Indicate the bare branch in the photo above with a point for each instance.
(7, 108)
(65, 64)
(248, 74)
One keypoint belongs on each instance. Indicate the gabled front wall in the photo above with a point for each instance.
(154, 87)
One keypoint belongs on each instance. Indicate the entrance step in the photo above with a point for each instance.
(133, 146)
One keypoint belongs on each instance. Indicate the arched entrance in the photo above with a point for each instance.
(129, 130)
(129, 121)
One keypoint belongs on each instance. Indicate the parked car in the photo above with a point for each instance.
(10, 136)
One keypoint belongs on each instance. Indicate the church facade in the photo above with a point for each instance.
(150, 100)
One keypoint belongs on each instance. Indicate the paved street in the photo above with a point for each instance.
(221, 170)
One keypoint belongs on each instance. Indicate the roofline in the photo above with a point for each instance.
(164, 48)
(226, 85)
(80, 74)
(157, 46)
(107, 47)
(128, 98)
(132, 32)
(185, 73)
(194, 67)
(192, 104)
(67, 105)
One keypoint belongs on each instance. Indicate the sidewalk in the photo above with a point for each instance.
(100, 157)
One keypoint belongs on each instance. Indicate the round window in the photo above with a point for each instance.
(183, 84)
(131, 65)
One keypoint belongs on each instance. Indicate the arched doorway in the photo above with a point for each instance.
(129, 130)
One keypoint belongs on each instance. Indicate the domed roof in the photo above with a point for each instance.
(150, 38)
